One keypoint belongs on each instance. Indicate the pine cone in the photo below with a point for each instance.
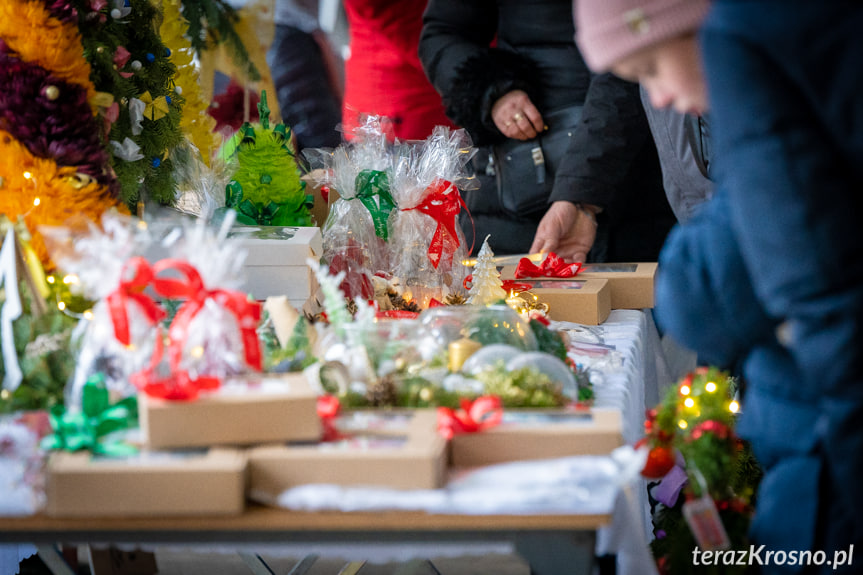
(401, 304)
(382, 393)
(455, 299)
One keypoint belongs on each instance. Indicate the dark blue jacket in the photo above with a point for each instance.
(786, 90)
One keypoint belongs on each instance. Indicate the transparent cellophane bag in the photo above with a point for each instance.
(96, 260)
(353, 241)
(212, 345)
(427, 255)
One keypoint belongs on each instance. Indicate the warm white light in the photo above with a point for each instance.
(710, 387)
(733, 407)
(50, 279)
(682, 424)
(61, 305)
(684, 390)
(689, 402)
(27, 175)
(70, 279)
(88, 315)
(37, 201)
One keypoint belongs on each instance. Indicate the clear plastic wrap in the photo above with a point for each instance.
(119, 336)
(427, 244)
(355, 234)
(213, 334)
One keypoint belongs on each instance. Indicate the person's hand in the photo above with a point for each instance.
(516, 117)
(566, 229)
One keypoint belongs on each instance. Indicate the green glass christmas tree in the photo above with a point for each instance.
(266, 189)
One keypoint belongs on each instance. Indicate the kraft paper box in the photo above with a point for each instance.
(539, 434)
(400, 450)
(631, 283)
(584, 301)
(261, 409)
(276, 261)
(151, 483)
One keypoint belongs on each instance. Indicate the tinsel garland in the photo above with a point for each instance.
(62, 128)
(43, 192)
(196, 123)
(29, 30)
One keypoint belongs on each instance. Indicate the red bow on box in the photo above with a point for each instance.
(477, 415)
(179, 385)
(328, 407)
(133, 290)
(552, 267)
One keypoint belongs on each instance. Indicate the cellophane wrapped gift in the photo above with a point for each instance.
(355, 234)
(427, 245)
(104, 265)
(213, 333)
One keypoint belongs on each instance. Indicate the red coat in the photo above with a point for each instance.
(383, 75)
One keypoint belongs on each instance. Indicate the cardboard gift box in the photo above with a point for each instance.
(577, 300)
(540, 434)
(276, 261)
(151, 483)
(399, 449)
(259, 409)
(631, 284)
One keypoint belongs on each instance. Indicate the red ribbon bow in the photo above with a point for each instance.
(328, 409)
(180, 385)
(474, 416)
(552, 267)
(133, 290)
(442, 203)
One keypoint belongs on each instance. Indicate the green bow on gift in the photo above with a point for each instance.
(88, 429)
(373, 190)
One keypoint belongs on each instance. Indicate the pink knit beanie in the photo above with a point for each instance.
(609, 30)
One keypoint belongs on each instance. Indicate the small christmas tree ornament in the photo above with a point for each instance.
(266, 189)
(487, 286)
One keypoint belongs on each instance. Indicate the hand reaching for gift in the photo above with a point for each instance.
(516, 117)
(567, 229)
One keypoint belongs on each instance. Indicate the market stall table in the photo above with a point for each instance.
(630, 367)
(260, 524)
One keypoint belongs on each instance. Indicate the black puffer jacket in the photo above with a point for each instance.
(611, 161)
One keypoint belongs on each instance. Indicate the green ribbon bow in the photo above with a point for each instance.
(373, 190)
(88, 429)
(272, 214)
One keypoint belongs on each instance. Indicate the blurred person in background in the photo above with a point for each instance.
(383, 73)
(305, 73)
(575, 165)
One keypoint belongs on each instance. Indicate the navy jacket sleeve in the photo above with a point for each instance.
(609, 141)
(795, 200)
(704, 297)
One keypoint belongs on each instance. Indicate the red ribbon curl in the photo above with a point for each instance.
(132, 290)
(553, 267)
(442, 203)
(474, 416)
(180, 385)
(328, 407)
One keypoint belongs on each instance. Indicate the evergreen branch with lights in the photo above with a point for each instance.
(696, 419)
